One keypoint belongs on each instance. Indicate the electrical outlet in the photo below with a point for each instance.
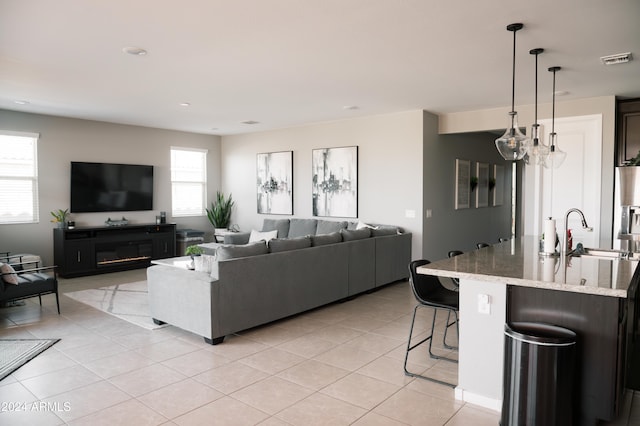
(429, 213)
(484, 304)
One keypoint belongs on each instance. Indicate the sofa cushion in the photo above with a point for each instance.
(285, 244)
(280, 225)
(356, 234)
(324, 239)
(381, 231)
(12, 278)
(232, 252)
(301, 227)
(329, 226)
(266, 235)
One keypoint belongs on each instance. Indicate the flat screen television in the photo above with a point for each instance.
(103, 187)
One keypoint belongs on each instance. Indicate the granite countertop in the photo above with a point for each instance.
(517, 262)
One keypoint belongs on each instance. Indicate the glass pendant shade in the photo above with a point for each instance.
(556, 156)
(513, 144)
(536, 150)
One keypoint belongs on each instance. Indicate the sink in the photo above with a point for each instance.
(601, 252)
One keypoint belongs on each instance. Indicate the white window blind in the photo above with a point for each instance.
(188, 181)
(18, 177)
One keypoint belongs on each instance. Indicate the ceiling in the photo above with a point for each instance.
(286, 63)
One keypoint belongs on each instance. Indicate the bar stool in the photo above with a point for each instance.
(453, 253)
(429, 292)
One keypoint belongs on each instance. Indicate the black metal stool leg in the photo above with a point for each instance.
(412, 347)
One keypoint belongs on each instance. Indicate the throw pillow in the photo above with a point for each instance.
(302, 227)
(280, 225)
(12, 278)
(358, 234)
(329, 226)
(257, 235)
(362, 225)
(232, 252)
(285, 244)
(324, 239)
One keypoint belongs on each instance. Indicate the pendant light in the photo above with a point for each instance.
(513, 144)
(556, 155)
(537, 151)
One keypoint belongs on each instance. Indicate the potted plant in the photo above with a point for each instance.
(473, 182)
(60, 217)
(193, 251)
(220, 212)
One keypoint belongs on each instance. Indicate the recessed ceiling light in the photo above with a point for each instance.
(619, 58)
(561, 93)
(184, 104)
(135, 51)
(250, 122)
(350, 107)
(21, 102)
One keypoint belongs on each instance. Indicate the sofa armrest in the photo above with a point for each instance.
(237, 238)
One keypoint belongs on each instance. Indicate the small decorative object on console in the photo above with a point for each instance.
(122, 222)
(60, 217)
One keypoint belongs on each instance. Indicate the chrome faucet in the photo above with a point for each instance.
(564, 234)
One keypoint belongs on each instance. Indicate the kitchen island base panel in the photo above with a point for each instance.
(598, 323)
(481, 343)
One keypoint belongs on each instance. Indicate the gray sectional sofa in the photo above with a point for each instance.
(311, 263)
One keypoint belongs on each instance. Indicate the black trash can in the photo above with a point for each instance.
(539, 365)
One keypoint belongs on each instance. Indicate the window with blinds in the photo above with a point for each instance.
(188, 181)
(18, 177)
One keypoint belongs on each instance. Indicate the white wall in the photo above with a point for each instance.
(63, 140)
(389, 168)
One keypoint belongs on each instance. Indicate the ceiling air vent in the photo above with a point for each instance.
(620, 58)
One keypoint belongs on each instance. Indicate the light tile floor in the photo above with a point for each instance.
(337, 365)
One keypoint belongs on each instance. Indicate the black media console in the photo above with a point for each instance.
(95, 250)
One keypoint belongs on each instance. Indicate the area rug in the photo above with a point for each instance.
(129, 302)
(14, 353)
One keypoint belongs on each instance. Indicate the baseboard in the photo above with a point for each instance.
(482, 401)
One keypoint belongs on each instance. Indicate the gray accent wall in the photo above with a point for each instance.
(63, 140)
(448, 228)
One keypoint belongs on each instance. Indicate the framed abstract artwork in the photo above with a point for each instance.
(335, 181)
(482, 191)
(463, 184)
(498, 182)
(274, 171)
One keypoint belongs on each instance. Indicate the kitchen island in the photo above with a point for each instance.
(511, 282)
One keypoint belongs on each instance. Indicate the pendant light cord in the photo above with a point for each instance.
(535, 118)
(553, 104)
(513, 76)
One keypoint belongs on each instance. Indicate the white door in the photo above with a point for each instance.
(576, 183)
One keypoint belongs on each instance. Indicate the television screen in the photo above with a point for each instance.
(101, 187)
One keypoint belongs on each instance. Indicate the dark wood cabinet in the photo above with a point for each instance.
(78, 256)
(627, 130)
(95, 250)
(600, 325)
(164, 244)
